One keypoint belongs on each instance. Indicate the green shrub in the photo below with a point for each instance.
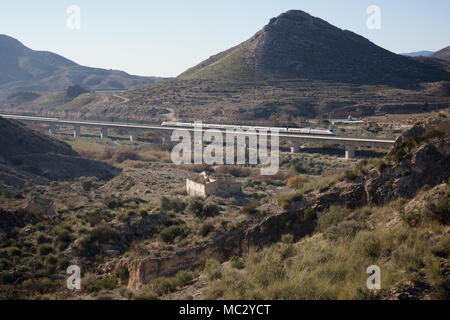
(197, 207)
(123, 274)
(7, 278)
(42, 285)
(362, 167)
(296, 182)
(170, 233)
(182, 278)
(250, 207)
(44, 249)
(344, 229)
(442, 247)
(398, 204)
(237, 262)
(298, 166)
(348, 175)
(113, 204)
(439, 209)
(286, 199)
(172, 204)
(205, 229)
(369, 243)
(287, 238)
(14, 252)
(40, 226)
(213, 269)
(105, 233)
(62, 262)
(266, 267)
(380, 165)
(210, 210)
(62, 241)
(89, 244)
(50, 259)
(42, 238)
(87, 183)
(108, 283)
(333, 216)
(411, 217)
(4, 264)
(61, 228)
(94, 218)
(120, 156)
(309, 215)
(163, 286)
(399, 155)
(6, 194)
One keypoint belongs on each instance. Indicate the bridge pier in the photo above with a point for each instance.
(133, 136)
(104, 133)
(166, 138)
(52, 129)
(295, 148)
(349, 152)
(76, 132)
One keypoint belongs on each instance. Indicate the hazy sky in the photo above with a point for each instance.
(164, 38)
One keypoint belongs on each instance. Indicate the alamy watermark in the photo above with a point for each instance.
(74, 281)
(374, 20)
(189, 151)
(374, 281)
(73, 21)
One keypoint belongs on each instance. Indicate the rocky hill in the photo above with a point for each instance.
(298, 45)
(23, 69)
(443, 54)
(26, 154)
(299, 66)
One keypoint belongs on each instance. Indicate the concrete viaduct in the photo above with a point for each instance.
(295, 140)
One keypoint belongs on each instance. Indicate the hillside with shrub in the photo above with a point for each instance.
(26, 154)
(392, 212)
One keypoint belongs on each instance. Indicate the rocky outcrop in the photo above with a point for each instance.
(253, 234)
(352, 194)
(143, 270)
(421, 157)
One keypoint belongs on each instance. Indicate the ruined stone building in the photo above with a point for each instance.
(203, 185)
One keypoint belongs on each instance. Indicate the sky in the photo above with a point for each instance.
(164, 38)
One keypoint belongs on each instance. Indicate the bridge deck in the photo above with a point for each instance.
(287, 136)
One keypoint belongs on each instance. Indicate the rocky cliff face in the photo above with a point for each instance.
(421, 157)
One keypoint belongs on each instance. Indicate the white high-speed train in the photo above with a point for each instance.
(227, 126)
